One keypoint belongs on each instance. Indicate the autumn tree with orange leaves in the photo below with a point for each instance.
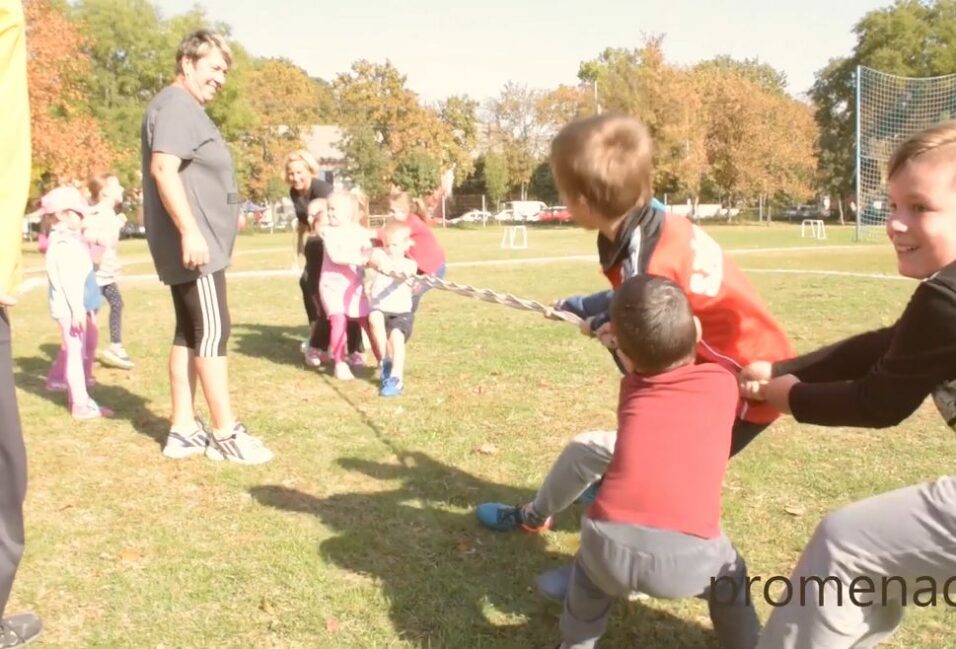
(67, 141)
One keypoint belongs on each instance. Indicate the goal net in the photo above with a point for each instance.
(888, 110)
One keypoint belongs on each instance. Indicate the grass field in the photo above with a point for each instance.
(361, 532)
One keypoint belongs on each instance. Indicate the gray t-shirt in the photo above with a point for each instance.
(176, 124)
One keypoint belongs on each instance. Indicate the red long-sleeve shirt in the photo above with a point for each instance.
(672, 450)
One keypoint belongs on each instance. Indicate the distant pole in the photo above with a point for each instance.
(859, 203)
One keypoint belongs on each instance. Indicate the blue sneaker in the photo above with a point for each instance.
(505, 518)
(553, 584)
(391, 387)
(386, 369)
(589, 495)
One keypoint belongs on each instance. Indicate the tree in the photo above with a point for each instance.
(518, 132)
(909, 38)
(367, 162)
(417, 173)
(283, 102)
(459, 114)
(373, 97)
(762, 74)
(67, 140)
(496, 176)
(542, 184)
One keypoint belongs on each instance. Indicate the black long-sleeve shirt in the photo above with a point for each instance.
(879, 378)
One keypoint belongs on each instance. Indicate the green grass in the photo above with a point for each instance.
(361, 532)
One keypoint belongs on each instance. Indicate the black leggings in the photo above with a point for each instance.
(202, 315)
(112, 294)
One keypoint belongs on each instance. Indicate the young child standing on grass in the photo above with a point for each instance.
(68, 267)
(391, 317)
(101, 227)
(655, 524)
(347, 246)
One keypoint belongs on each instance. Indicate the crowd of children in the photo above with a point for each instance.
(366, 278)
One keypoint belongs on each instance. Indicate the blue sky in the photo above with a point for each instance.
(473, 48)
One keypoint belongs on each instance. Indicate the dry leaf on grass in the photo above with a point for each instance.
(332, 625)
(487, 449)
(130, 554)
(795, 510)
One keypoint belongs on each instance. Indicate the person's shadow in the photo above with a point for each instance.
(275, 343)
(30, 375)
(278, 344)
(449, 582)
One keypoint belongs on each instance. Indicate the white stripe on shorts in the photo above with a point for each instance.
(211, 319)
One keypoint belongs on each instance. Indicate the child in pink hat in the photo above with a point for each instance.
(68, 265)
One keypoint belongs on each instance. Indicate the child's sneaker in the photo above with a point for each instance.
(386, 369)
(391, 387)
(240, 447)
(116, 356)
(343, 372)
(313, 357)
(505, 518)
(179, 445)
(90, 410)
(356, 360)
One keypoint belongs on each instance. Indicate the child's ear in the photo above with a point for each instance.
(700, 333)
(625, 360)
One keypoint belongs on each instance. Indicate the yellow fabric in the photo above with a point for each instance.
(14, 141)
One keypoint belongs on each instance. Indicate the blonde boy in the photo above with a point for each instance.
(391, 317)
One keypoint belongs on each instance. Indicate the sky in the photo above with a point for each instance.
(473, 48)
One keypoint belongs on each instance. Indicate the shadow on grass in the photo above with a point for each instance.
(450, 583)
(276, 343)
(31, 376)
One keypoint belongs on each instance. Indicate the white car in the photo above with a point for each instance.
(472, 216)
(504, 216)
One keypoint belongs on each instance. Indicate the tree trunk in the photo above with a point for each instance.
(840, 210)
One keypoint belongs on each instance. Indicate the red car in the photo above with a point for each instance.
(556, 214)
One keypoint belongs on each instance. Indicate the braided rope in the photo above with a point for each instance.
(487, 295)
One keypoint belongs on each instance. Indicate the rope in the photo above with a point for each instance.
(487, 295)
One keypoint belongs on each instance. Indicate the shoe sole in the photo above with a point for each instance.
(178, 453)
(218, 456)
(115, 361)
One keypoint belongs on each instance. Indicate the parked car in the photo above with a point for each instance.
(471, 216)
(132, 230)
(800, 212)
(504, 216)
(555, 214)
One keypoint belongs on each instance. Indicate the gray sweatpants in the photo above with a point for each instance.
(616, 558)
(13, 469)
(902, 543)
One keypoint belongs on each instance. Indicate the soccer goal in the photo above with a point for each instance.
(888, 110)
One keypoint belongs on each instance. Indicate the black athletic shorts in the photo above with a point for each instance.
(401, 321)
(202, 315)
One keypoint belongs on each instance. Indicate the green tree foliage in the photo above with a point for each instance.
(762, 74)
(417, 173)
(542, 184)
(496, 176)
(460, 116)
(518, 131)
(910, 38)
(367, 162)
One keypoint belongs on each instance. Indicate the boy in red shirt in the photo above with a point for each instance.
(602, 166)
(655, 524)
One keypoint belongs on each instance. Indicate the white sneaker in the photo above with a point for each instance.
(343, 372)
(179, 445)
(240, 447)
(116, 357)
